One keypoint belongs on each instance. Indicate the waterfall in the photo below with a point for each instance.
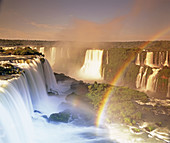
(149, 59)
(144, 80)
(166, 60)
(154, 60)
(53, 55)
(50, 80)
(36, 83)
(138, 60)
(42, 50)
(21, 84)
(107, 58)
(91, 68)
(152, 81)
(168, 93)
(14, 114)
(139, 77)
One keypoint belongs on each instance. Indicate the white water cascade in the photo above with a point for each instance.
(166, 60)
(138, 60)
(91, 68)
(168, 93)
(152, 81)
(139, 77)
(154, 61)
(15, 121)
(53, 55)
(21, 85)
(20, 96)
(50, 80)
(36, 83)
(149, 59)
(42, 50)
(144, 80)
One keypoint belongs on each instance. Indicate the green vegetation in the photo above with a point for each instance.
(163, 76)
(8, 69)
(136, 130)
(149, 128)
(159, 124)
(21, 51)
(59, 117)
(121, 105)
(118, 58)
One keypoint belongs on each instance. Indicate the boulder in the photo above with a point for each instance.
(60, 117)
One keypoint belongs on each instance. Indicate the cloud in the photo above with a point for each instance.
(126, 27)
(46, 26)
(84, 30)
(40, 25)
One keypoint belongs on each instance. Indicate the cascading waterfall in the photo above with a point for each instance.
(107, 57)
(20, 96)
(53, 55)
(168, 93)
(166, 60)
(139, 77)
(144, 80)
(155, 61)
(50, 80)
(36, 83)
(149, 59)
(152, 81)
(21, 84)
(17, 116)
(91, 68)
(42, 50)
(138, 60)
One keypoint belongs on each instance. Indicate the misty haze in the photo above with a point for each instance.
(85, 71)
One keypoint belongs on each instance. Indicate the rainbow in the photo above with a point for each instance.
(107, 95)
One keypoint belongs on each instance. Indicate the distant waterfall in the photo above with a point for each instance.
(91, 68)
(144, 80)
(53, 55)
(154, 61)
(149, 59)
(138, 60)
(107, 57)
(42, 50)
(152, 80)
(139, 77)
(168, 93)
(166, 60)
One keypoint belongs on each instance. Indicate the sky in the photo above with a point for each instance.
(84, 20)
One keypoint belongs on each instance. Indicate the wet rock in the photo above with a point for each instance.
(45, 117)
(36, 111)
(60, 117)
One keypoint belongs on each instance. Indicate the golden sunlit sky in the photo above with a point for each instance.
(84, 20)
